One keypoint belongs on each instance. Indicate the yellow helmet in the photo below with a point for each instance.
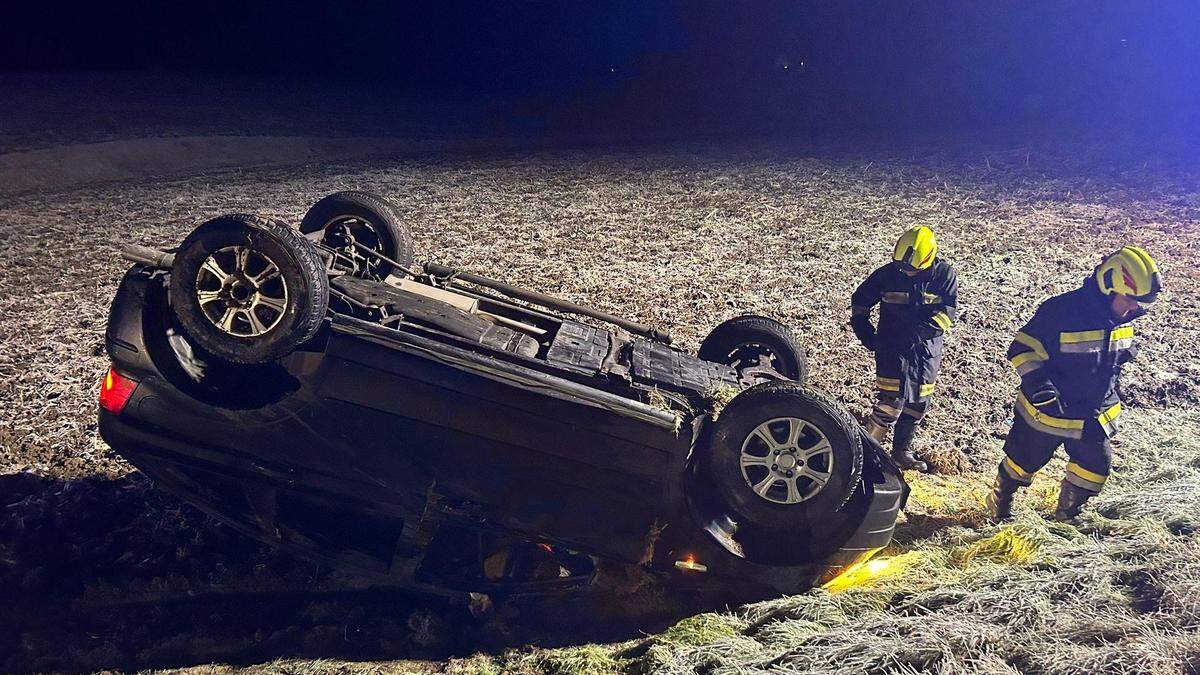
(916, 249)
(1130, 271)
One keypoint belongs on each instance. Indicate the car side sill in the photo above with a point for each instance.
(495, 369)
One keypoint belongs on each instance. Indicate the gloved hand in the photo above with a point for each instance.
(868, 341)
(1127, 355)
(925, 332)
(865, 333)
(1046, 399)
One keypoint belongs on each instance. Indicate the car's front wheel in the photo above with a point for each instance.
(783, 455)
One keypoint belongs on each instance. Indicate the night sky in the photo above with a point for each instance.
(750, 65)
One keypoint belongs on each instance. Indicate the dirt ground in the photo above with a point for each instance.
(679, 237)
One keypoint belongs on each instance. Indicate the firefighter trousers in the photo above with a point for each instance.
(903, 386)
(1026, 450)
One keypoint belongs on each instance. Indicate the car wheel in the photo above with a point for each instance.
(249, 289)
(350, 221)
(750, 341)
(783, 454)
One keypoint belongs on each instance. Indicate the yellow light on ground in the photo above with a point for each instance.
(1007, 546)
(858, 574)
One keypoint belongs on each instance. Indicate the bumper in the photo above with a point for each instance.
(819, 553)
(879, 524)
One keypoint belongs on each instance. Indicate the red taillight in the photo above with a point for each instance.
(115, 391)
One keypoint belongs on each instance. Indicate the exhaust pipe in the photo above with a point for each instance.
(550, 301)
(150, 257)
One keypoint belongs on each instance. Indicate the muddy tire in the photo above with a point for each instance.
(741, 341)
(783, 455)
(248, 289)
(366, 219)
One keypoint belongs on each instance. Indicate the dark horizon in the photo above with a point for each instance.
(752, 67)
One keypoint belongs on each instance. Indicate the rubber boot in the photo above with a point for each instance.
(876, 430)
(901, 451)
(999, 501)
(1071, 499)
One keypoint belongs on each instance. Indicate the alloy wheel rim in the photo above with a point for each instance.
(786, 460)
(241, 291)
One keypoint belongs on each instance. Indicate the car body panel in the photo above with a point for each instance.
(360, 447)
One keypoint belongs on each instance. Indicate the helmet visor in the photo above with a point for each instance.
(1146, 299)
(1151, 295)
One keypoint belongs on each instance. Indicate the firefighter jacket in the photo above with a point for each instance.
(1069, 357)
(914, 310)
(914, 313)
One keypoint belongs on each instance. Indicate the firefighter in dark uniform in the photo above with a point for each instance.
(1069, 357)
(917, 294)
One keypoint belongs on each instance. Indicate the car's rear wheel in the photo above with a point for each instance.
(249, 289)
(353, 224)
(783, 455)
(752, 342)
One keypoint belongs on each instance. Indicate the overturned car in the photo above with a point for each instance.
(450, 432)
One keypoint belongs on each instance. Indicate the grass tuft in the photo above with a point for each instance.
(716, 399)
(584, 660)
(701, 629)
(477, 664)
(656, 399)
(1009, 546)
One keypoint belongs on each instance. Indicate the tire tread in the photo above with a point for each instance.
(716, 346)
(306, 258)
(320, 212)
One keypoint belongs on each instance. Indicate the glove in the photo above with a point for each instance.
(865, 333)
(1046, 399)
(868, 341)
(925, 332)
(1127, 355)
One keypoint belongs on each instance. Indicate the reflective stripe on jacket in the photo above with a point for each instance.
(911, 309)
(1072, 348)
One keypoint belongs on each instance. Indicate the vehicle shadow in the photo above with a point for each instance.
(920, 526)
(101, 574)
